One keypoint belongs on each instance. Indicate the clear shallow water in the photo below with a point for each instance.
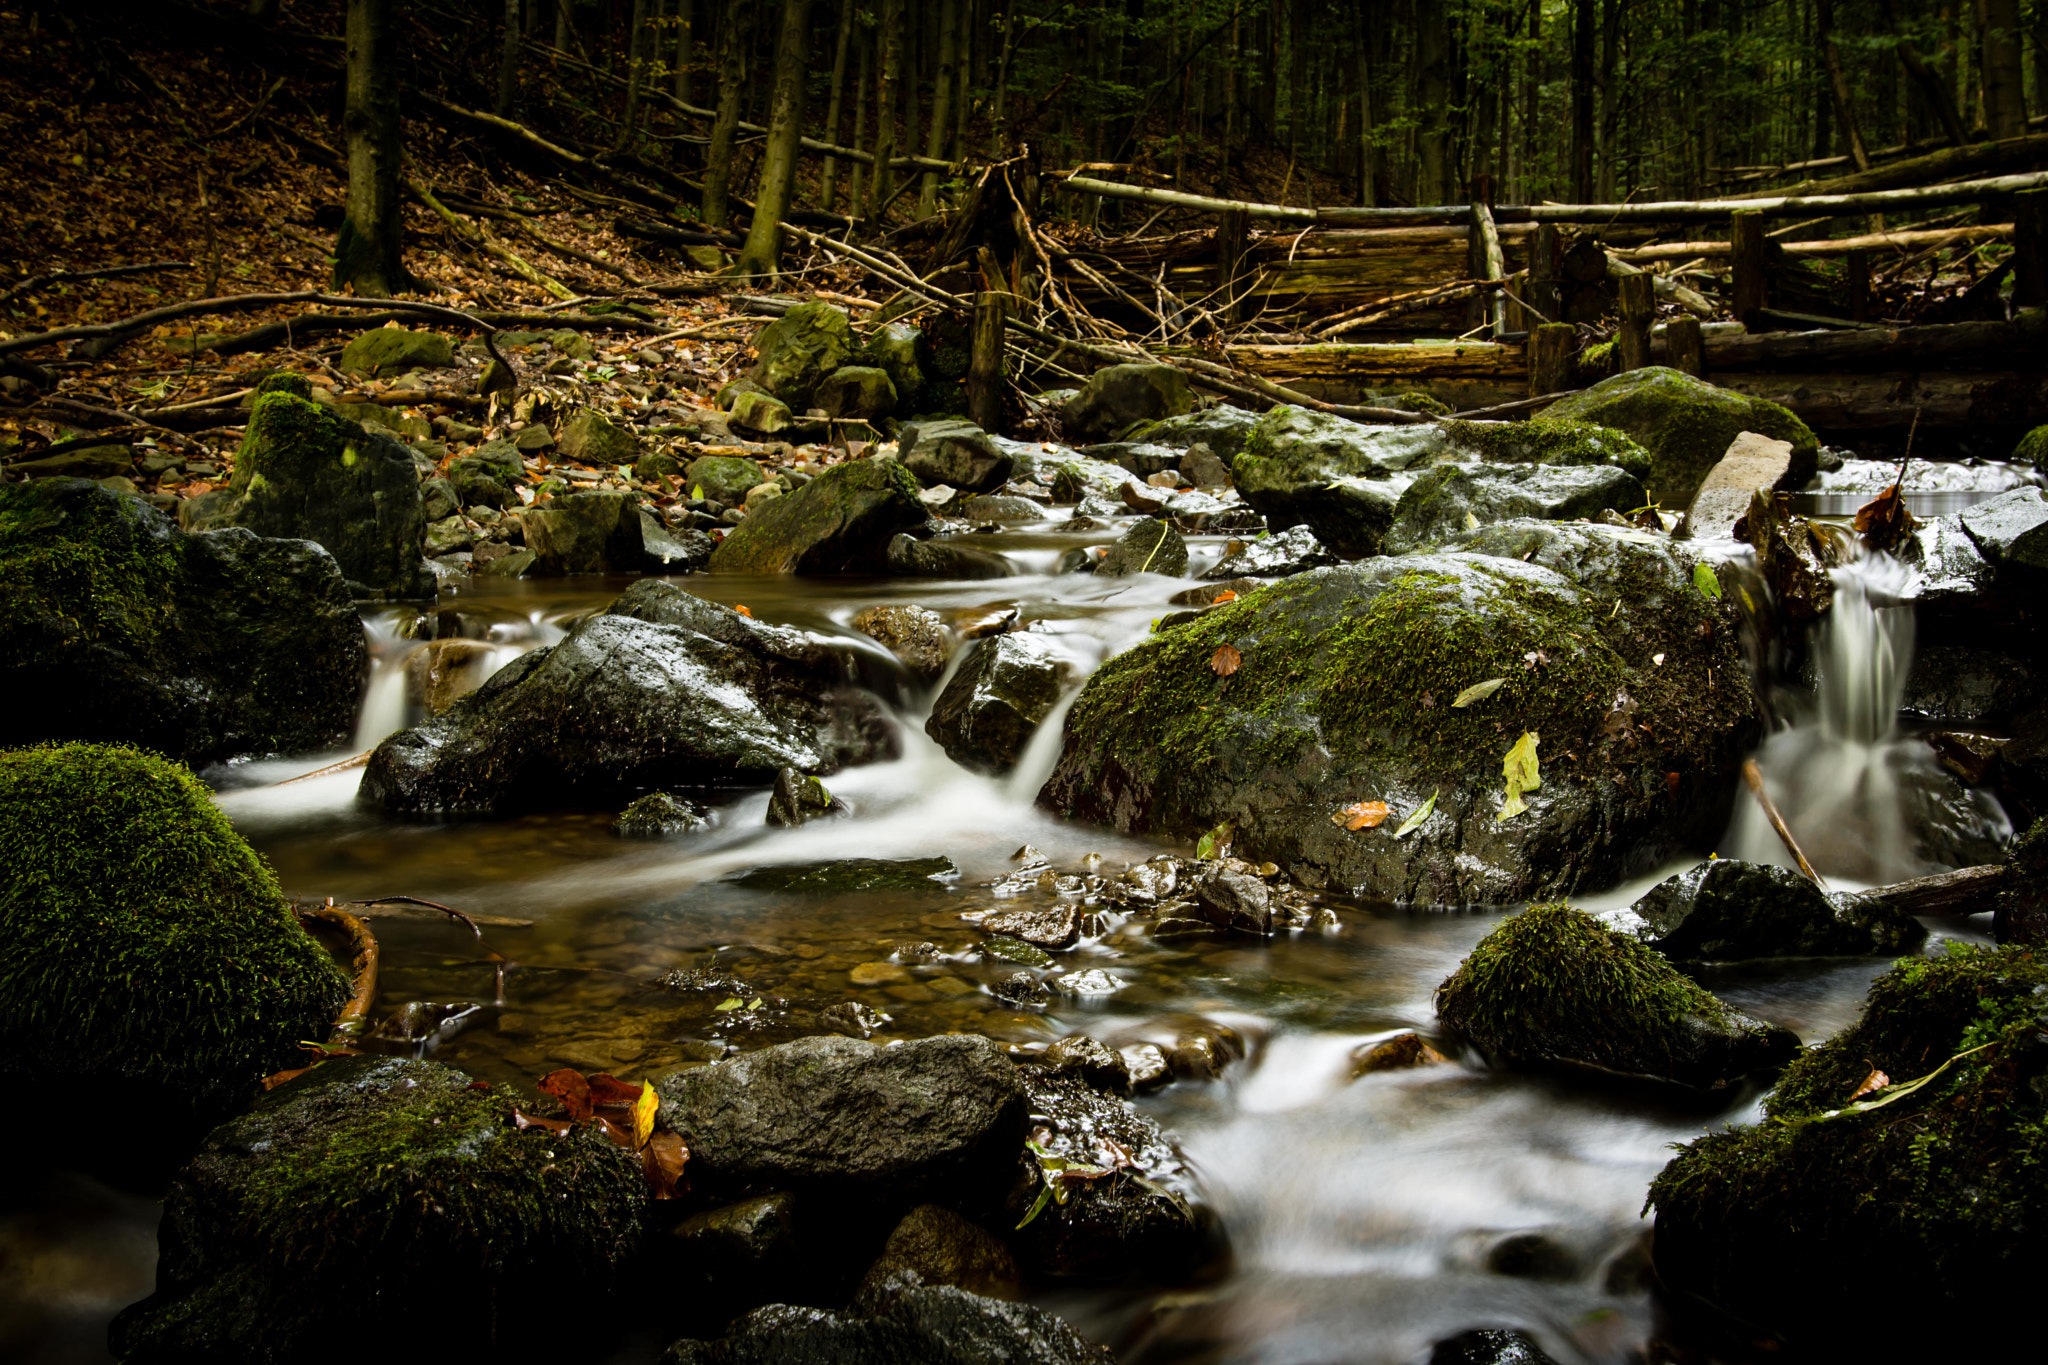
(1366, 1218)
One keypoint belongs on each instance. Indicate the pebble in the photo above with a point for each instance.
(877, 973)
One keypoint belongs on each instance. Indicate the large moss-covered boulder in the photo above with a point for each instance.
(1931, 1199)
(1344, 690)
(304, 473)
(902, 352)
(1686, 424)
(799, 349)
(1553, 988)
(399, 1188)
(1121, 396)
(839, 522)
(661, 691)
(991, 706)
(2033, 449)
(1726, 910)
(1452, 499)
(115, 625)
(149, 952)
(2021, 914)
(1220, 427)
(393, 350)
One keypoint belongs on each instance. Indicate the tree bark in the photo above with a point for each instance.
(1932, 87)
(828, 183)
(2005, 108)
(368, 254)
(716, 211)
(883, 186)
(762, 252)
(1434, 138)
(945, 79)
(686, 47)
(856, 177)
(508, 62)
(1583, 13)
(1838, 83)
(635, 33)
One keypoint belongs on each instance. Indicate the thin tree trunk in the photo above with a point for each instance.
(686, 47)
(1610, 101)
(508, 61)
(368, 254)
(1532, 85)
(1936, 91)
(2005, 108)
(945, 77)
(561, 43)
(1432, 99)
(828, 181)
(1839, 83)
(1583, 14)
(637, 26)
(887, 79)
(732, 28)
(763, 250)
(857, 176)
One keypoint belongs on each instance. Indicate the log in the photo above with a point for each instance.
(1638, 307)
(1487, 250)
(1232, 235)
(1550, 357)
(1950, 163)
(2009, 344)
(2030, 249)
(1752, 287)
(1914, 240)
(1382, 366)
(1686, 347)
(1755, 778)
(1893, 400)
(1965, 891)
(985, 361)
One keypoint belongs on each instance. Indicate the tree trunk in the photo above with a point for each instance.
(1838, 83)
(1433, 98)
(636, 27)
(732, 28)
(762, 252)
(828, 181)
(1932, 87)
(891, 75)
(508, 61)
(368, 253)
(1532, 84)
(856, 178)
(2005, 109)
(686, 46)
(1610, 101)
(1583, 14)
(944, 79)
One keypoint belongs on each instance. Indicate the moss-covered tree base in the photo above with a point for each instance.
(1914, 1226)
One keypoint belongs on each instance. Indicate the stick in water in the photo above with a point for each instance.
(1755, 778)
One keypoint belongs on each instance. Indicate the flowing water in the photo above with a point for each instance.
(1366, 1219)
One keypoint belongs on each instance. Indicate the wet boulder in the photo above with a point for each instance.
(1687, 425)
(895, 1323)
(596, 532)
(1152, 546)
(115, 625)
(1546, 440)
(1795, 561)
(915, 635)
(149, 951)
(489, 475)
(799, 798)
(1233, 898)
(1343, 693)
(1005, 685)
(900, 351)
(1140, 458)
(1554, 989)
(839, 522)
(1141, 1220)
(394, 350)
(1853, 1191)
(1280, 555)
(1726, 910)
(1221, 427)
(1751, 463)
(2033, 449)
(723, 479)
(399, 1187)
(658, 815)
(661, 691)
(2011, 530)
(937, 1120)
(304, 473)
(859, 392)
(955, 453)
(1093, 1060)
(799, 350)
(942, 1248)
(1120, 396)
(1452, 499)
(2021, 912)
(943, 558)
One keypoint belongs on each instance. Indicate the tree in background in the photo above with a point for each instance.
(367, 251)
(785, 126)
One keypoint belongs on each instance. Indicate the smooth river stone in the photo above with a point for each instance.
(1753, 462)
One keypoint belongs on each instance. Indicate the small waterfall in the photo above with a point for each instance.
(384, 710)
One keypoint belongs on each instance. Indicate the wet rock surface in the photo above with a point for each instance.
(914, 635)
(955, 453)
(205, 647)
(1731, 911)
(1295, 550)
(1120, 396)
(1449, 500)
(839, 522)
(989, 709)
(588, 533)
(662, 690)
(915, 558)
(1151, 546)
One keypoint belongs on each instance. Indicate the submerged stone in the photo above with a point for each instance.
(1726, 910)
(658, 815)
(839, 875)
(1555, 988)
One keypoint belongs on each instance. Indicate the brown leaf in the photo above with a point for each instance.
(1225, 660)
(662, 1161)
(609, 1092)
(1872, 1083)
(568, 1086)
(523, 1121)
(741, 608)
(1884, 521)
(1364, 815)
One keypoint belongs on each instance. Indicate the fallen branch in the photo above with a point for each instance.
(1755, 778)
(469, 232)
(1965, 891)
(35, 282)
(355, 1015)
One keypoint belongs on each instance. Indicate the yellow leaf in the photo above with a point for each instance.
(1478, 691)
(1364, 815)
(1520, 769)
(644, 1110)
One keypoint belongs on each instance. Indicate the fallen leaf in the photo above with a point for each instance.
(1225, 660)
(1220, 598)
(1872, 1083)
(1364, 815)
(741, 609)
(1884, 521)
(568, 1086)
(1704, 579)
(662, 1161)
(524, 1121)
(644, 1110)
(1478, 691)
(1520, 769)
(1414, 822)
(1216, 843)
(609, 1092)
(1657, 659)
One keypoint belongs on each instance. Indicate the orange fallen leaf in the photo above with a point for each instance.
(1364, 815)
(523, 1121)
(1884, 521)
(568, 1086)
(1225, 660)
(1220, 598)
(740, 607)
(1872, 1083)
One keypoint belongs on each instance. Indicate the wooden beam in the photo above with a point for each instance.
(1686, 347)
(1752, 287)
(1638, 293)
(1486, 248)
(1550, 357)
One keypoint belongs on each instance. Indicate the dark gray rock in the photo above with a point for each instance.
(587, 533)
(901, 351)
(1152, 546)
(395, 1183)
(914, 635)
(936, 1120)
(1731, 911)
(1277, 555)
(204, 647)
(839, 522)
(996, 509)
(1965, 684)
(797, 799)
(2011, 530)
(942, 1248)
(1233, 899)
(1344, 688)
(1138, 457)
(914, 558)
(1005, 685)
(658, 815)
(1055, 927)
(1222, 428)
(1489, 1346)
(859, 392)
(488, 475)
(1093, 1060)
(900, 1323)
(1204, 468)
(663, 690)
(798, 350)
(1121, 396)
(956, 453)
(1452, 499)
(838, 876)
(684, 550)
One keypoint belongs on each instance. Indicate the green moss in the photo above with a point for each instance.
(287, 432)
(1557, 975)
(147, 941)
(1799, 1223)
(2033, 448)
(107, 576)
(1546, 441)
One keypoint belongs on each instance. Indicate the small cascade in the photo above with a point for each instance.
(385, 710)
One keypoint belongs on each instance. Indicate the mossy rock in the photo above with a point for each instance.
(761, 413)
(401, 1188)
(857, 391)
(799, 349)
(1005, 685)
(1221, 427)
(1687, 425)
(839, 522)
(1555, 988)
(304, 472)
(118, 626)
(1548, 440)
(1343, 693)
(845, 875)
(393, 350)
(1151, 546)
(149, 951)
(489, 475)
(1119, 397)
(2021, 915)
(595, 439)
(902, 351)
(1449, 500)
(2033, 449)
(723, 478)
(594, 532)
(1795, 1226)
(568, 342)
